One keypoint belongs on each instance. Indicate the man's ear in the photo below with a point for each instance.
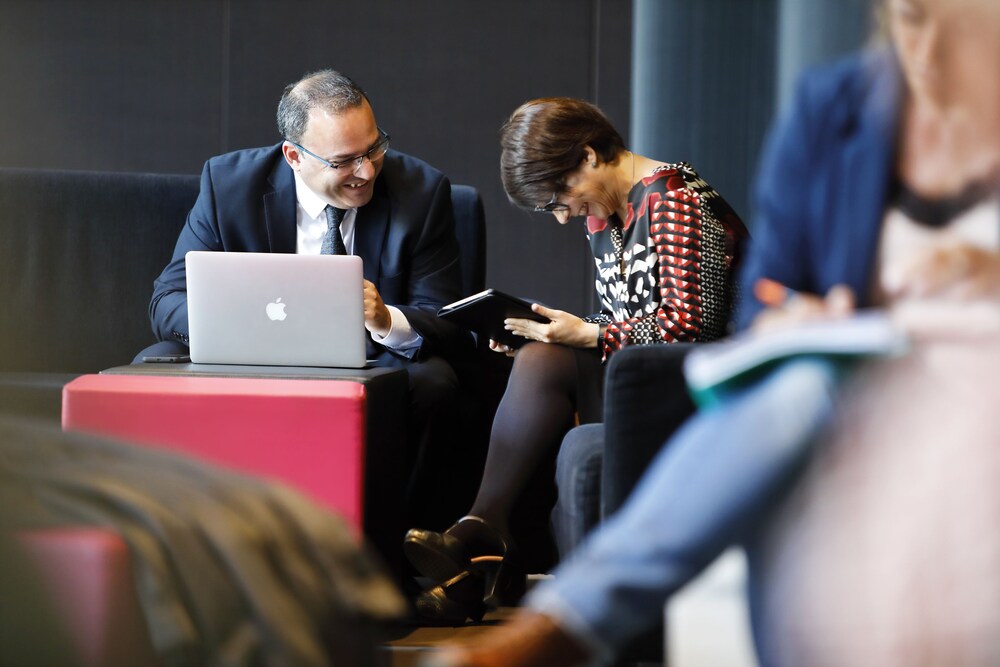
(292, 155)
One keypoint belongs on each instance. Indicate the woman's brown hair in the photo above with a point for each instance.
(544, 139)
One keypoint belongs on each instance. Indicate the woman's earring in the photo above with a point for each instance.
(594, 165)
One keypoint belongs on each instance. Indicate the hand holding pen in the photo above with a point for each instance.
(786, 306)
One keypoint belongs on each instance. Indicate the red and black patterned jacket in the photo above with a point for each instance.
(666, 273)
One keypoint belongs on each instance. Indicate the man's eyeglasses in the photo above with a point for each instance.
(374, 154)
(552, 206)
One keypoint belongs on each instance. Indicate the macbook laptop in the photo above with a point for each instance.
(276, 309)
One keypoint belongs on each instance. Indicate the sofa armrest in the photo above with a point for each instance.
(646, 400)
(85, 574)
(33, 394)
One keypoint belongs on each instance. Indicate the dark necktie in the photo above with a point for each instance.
(333, 242)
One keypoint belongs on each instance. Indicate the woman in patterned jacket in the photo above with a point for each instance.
(665, 246)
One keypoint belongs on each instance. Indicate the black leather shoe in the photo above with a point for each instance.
(437, 556)
(505, 580)
(441, 556)
(490, 582)
(453, 602)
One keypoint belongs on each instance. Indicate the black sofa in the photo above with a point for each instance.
(79, 255)
(80, 252)
(645, 402)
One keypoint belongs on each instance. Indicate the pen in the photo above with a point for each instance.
(773, 294)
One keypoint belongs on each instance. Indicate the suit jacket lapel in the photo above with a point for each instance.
(370, 231)
(280, 209)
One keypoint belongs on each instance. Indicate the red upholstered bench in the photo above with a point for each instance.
(86, 576)
(336, 435)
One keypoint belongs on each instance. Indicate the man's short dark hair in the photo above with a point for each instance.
(544, 139)
(326, 89)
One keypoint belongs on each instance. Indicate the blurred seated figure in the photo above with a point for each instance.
(880, 188)
(886, 552)
(228, 569)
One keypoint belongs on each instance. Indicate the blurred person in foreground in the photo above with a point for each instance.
(665, 244)
(227, 568)
(879, 188)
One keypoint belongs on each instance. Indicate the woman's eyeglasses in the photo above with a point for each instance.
(552, 206)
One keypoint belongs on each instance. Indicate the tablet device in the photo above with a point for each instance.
(485, 312)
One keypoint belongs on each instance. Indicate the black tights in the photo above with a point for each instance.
(549, 385)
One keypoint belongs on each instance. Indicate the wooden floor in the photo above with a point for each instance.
(410, 643)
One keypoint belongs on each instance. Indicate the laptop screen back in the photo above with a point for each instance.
(276, 309)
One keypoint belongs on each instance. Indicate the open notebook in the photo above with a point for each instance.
(714, 369)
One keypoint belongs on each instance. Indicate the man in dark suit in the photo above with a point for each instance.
(332, 186)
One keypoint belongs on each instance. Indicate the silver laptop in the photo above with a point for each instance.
(275, 309)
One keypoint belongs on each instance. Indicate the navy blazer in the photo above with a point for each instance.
(824, 181)
(405, 235)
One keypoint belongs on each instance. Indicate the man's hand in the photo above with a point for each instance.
(377, 317)
(563, 328)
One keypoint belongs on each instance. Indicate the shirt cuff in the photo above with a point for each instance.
(401, 335)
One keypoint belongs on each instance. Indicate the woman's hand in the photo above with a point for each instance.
(786, 307)
(958, 272)
(563, 328)
(935, 288)
(503, 349)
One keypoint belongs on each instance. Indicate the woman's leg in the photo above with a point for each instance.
(537, 410)
(548, 385)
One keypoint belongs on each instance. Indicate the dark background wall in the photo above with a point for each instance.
(703, 86)
(160, 86)
(708, 77)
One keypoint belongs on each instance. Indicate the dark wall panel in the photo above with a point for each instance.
(816, 31)
(125, 86)
(709, 76)
(442, 77)
(703, 86)
(162, 86)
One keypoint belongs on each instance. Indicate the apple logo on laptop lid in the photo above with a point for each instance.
(276, 310)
